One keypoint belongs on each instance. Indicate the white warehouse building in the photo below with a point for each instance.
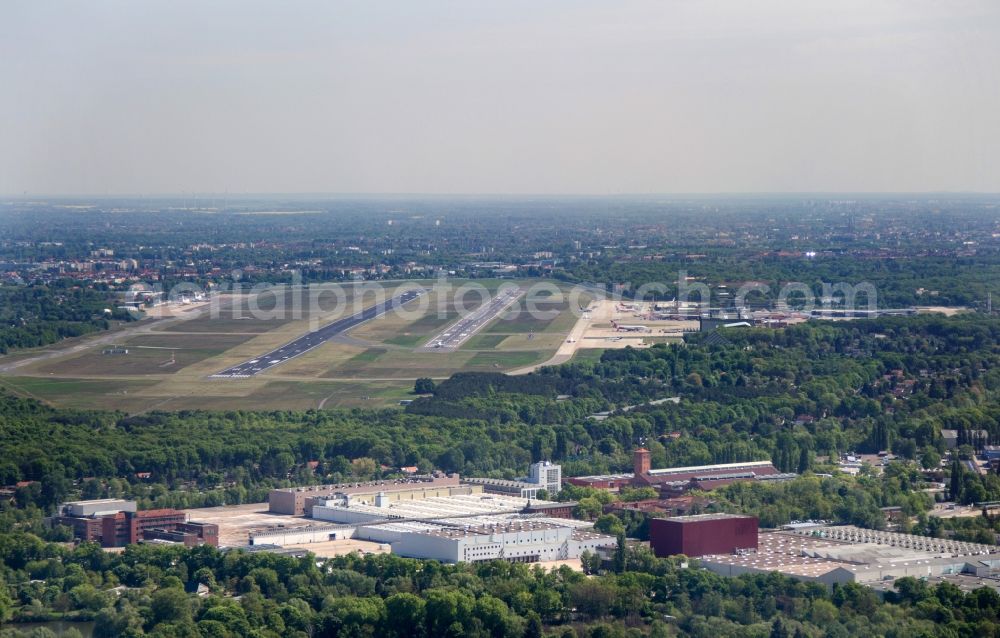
(521, 541)
(344, 510)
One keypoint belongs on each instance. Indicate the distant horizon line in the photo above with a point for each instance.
(26, 196)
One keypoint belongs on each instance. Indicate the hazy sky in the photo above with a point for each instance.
(541, 96)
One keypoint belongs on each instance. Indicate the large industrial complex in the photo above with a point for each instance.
(437, 516)
(443, 517)
(730, 545)
(453, 519)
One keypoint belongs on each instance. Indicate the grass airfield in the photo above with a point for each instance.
(169, 361)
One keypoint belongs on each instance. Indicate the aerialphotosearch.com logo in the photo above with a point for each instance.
(323, 303)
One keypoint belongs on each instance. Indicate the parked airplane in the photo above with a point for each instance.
(622, 327)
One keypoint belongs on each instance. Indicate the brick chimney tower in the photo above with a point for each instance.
(641, 461)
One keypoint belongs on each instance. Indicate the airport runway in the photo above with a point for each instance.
(313, 339)
(457, 333)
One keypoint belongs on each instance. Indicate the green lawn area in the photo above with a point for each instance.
(494, 360)
(227, 325)
(127, 396)
(308, 395)
(81, 393)
(483, 342)
(369, 355)
(408, 341)
(546, 317)
(400, 364)
(588, 355)
(159, 353)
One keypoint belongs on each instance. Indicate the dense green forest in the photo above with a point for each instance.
(148, 590)
(32, 316)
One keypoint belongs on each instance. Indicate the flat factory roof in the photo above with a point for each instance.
(442, 506)
(799, 554)
(691, 469)
(698, 518)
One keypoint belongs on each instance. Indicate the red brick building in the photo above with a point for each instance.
(703, 534)
(86, 529)
(554, 510)
(677, 506)
(121, 528)
(189, 534)
(674, 481)
(126, 528)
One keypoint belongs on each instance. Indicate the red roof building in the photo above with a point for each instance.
(675, 481)
(126, 527)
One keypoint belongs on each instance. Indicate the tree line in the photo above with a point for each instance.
(174, 591)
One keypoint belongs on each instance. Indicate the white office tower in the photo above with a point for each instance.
(546, 474)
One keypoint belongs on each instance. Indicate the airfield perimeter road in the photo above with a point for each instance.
(314, 339)
(457, 333)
